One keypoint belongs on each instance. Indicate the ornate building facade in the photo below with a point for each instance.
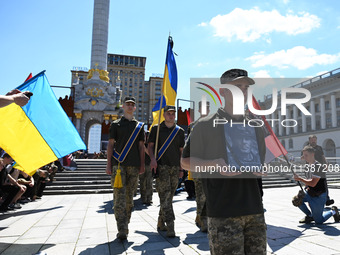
(324, 121)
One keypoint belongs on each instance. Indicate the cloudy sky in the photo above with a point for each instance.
(273, 39)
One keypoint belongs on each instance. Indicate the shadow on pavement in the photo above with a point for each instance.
(279, 237)
(199, 238)
(155, 244)
(107, 207)
(24, 248)
(191, 209)
(26, 212)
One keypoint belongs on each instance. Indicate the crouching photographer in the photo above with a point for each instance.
(315, 192)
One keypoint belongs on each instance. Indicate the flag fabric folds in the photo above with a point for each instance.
(169, 88)
(39, 132)
(274, 148)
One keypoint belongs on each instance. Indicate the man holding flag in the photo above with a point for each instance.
(166, 142)
(167, 160)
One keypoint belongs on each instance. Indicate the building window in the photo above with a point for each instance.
(290, 143)
(317, 108)
(318, 125)
(328, 122)
(338, 102)
(283, 143)
(327, 106)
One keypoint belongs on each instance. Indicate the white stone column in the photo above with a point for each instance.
(295, 117)
(322, 112)
(280, 126)
(333, 109)
(312, 111)
(100, 32)
(288, 117)
(271, 124)
(304, 123)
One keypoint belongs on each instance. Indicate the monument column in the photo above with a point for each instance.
(100, 32)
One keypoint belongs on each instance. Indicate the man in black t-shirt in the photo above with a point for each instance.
(320, 157)
(168, 166)
(129, 168)
(316, 194)
(233, 204)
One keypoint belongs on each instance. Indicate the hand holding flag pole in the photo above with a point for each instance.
(168, 91)
(274, 146)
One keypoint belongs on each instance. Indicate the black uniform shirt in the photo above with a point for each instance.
(172, 155)
(120, 131)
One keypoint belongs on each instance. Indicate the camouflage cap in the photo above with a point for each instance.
(234, 76)
(169, 108)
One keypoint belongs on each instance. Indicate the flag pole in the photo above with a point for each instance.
(276, 140)
(161, 104)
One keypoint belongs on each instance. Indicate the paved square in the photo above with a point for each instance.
(85, 224)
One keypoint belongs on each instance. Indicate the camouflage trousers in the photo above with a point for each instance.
(145, 181)
(200, 199)
(237, 235)
(123, 197)
(166, 185)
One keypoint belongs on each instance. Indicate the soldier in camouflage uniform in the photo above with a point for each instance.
(168, 167)
(201, 219)
(131, 167)
(233, 204)
(146, 180)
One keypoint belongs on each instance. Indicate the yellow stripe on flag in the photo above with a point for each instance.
(168, 92)
(20, 139)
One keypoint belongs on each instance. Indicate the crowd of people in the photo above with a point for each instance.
(17, 187)
(229, 204)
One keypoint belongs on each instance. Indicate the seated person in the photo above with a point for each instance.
(9, 185)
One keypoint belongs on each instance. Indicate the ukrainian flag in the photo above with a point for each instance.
(169, 88)
(39, 132)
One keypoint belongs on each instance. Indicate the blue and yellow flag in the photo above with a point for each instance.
(169, 84)
(39, 132)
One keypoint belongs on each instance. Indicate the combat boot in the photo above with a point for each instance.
(170, 229)
(204, 227)
(198, 221)
(161, 225)
(122, 234)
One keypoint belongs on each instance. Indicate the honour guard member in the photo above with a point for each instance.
(201, 220)
(125, 161)
(145, 179)
(167, 164)
(233, 204)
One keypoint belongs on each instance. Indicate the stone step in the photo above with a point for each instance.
(84, 178)
(77, 191)
(90, 177)
(73, 187)
(79, 182)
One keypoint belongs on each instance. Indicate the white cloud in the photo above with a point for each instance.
(286, 1)
(203, 24)
(261, 74)
(263, 79)
(250, 25)
(320, 73)
(299, 57)
(202, 64)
